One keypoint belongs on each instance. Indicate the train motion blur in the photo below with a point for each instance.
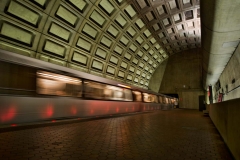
(32, 91)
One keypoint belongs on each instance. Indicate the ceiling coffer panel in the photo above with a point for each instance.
(124, 40)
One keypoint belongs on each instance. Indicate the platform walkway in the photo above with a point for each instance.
(177, 135)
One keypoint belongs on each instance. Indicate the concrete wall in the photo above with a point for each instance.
(183, 76)
(183, 71)
(226, 79)
(225, 116)
(189, 98)
(157, 77)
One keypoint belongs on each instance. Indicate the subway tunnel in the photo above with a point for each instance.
(188, 49)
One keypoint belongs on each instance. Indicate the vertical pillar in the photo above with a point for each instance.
(210, 94)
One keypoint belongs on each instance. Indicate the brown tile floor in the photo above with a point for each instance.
(177, 134)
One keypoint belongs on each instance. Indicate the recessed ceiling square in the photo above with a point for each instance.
(150, 16)
(189, 15)
(130, 11)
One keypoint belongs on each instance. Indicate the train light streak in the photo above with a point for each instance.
(121, 85)
(58, 77)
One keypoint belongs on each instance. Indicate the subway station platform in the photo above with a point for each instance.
(175, 134)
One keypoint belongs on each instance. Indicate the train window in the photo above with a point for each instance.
(137, 96)
(175, 101)
(170, 100)
(12, 81)
(166, 100)
(150, 98)
(106, 92)
(160, 99)
(56, 84)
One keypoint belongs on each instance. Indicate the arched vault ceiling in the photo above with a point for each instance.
(122, 40)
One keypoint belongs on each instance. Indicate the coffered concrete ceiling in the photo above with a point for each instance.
(175, 24)
(124, 40)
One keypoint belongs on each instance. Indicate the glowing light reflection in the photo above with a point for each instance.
(47, 111)
(91, 111)
(73, 110)
(8, 114)
(107, 109)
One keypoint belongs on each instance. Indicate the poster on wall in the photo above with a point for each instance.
(220, 96)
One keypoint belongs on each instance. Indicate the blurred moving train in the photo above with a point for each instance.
(32, 90)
